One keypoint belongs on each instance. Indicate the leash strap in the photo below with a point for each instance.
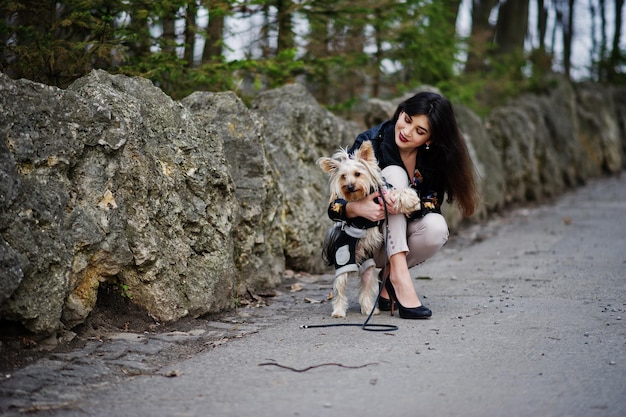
(366, 325)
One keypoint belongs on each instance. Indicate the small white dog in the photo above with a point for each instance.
(350, 245)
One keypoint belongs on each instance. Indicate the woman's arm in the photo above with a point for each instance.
(370, 208)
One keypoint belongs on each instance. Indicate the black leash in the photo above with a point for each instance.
(366, 325)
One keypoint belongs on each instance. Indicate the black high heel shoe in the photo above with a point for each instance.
(384, 304)
(421, 312)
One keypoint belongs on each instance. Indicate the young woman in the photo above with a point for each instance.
(420, 147)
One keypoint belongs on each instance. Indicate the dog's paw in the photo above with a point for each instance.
(367, 311)
(407, 201)
(338, 314)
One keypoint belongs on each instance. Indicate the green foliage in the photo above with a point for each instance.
(354, 49)
(425, 43)
(56, 45)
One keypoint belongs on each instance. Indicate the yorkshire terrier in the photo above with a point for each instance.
(349, 245)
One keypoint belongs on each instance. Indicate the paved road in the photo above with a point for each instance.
(529, 320)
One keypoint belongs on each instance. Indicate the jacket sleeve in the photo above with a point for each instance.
(337, 210)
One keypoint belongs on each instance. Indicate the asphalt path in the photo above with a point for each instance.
(529, 319)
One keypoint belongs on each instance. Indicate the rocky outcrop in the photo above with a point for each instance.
(298, 131)
(257, 226)
(111, 180)
(185, 205)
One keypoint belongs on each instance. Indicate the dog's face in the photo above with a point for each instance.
(352, 177)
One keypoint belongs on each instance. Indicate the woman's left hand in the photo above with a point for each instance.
(390, 200)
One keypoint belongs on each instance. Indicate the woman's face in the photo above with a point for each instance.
(412, 131)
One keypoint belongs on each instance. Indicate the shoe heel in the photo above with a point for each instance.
(392, 294)
(421, 312)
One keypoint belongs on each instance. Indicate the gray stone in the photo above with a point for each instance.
(257, 230)
(297, 132)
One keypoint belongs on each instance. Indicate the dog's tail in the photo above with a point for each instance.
(330, 244)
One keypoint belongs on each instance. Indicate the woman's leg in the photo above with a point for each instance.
(394, 255)
(425, 237)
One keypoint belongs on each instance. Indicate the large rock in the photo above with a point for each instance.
(599, 130)
(257, 230)
(298, 131)
(618, 94)
(112, 181)
(561, 120)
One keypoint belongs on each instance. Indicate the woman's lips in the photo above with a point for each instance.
(402, 138)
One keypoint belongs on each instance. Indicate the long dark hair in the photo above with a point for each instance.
(446, 138)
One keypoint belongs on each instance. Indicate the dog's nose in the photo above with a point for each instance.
(351, 188)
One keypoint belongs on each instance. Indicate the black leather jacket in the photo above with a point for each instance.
(428, 181)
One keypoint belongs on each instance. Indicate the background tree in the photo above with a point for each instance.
(217, 10)
(481, 37)
(344, 51)
(617, 57)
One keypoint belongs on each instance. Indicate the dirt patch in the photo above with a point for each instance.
(113, 313)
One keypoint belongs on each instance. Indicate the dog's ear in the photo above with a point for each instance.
(328, 165)
(366, 152)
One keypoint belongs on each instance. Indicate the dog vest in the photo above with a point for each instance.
(345, 255)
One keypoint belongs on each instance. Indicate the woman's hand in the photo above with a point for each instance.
(371, 208)
(390, 200)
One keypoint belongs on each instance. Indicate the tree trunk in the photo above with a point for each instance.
(168, 38)
(378, 56)
(481, 36)
(318, 50)
(266, 28)
(285, 30)
(540, 57)
(567, 39)
(139, 26)
(512, 27)
(542, 24)
(615, 59)
(214, 32)
(190, 32)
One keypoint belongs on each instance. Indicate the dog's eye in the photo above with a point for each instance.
(357, 174)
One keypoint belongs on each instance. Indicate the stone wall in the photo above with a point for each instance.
(185, 205)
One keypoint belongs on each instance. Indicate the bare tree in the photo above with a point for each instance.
(214, 35)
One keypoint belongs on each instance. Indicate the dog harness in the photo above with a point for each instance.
(345, 255)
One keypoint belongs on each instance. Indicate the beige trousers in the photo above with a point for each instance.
(420, 238)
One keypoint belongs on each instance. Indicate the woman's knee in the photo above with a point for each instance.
(396, 176)
(427, 236)
(436, 228)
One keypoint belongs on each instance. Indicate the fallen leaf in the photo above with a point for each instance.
(311, 300)
(296, 287)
